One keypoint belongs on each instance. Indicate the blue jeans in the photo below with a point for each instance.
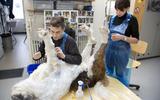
(116, 60)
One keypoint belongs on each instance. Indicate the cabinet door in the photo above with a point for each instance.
(139, 11)
(156, 49)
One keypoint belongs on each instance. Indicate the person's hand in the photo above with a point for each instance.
(117, 37)
(59, 52)
(37, 55)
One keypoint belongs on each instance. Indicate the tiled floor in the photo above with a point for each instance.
(147, 75)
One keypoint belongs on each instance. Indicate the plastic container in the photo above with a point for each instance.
(31, 68)
(7, 41)
(79, 92)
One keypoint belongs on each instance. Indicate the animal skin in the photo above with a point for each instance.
(98, 70)
(53, 79)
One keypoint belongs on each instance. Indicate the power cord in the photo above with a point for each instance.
(89, 92)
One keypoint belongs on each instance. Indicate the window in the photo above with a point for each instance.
(18, 9)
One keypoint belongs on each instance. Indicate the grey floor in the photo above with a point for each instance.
(19, 56)
(146, 75)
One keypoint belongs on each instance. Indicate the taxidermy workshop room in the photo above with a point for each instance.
(79, 49)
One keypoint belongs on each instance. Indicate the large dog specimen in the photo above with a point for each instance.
(53, 79)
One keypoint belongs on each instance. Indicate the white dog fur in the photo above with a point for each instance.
(52, 80)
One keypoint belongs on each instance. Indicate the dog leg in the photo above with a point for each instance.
(91, 40)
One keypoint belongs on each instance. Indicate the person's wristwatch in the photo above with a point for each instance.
(125, 38)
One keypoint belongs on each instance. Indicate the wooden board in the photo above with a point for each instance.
(139, 47)
(133, 63)
(115, 90)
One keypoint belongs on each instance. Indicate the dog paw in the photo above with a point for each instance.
(85, 28)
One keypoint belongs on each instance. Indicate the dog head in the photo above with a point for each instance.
(85, 28)
(23, 97)
(20, 91)
(42, 33)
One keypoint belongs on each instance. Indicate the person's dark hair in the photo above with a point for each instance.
(57, 22)
(122, 4)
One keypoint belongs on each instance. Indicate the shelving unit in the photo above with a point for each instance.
(69, 15)
(75, 18)
(84, 17)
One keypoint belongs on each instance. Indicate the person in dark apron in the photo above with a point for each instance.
(65, 46)
(123, 29)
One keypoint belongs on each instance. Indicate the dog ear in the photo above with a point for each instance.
(13, 97)
(29, 97)
(17, 97)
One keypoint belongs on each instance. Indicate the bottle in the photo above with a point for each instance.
(79, 92)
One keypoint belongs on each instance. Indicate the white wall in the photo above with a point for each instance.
(27, 4)
(132, 5)
(99, 16)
